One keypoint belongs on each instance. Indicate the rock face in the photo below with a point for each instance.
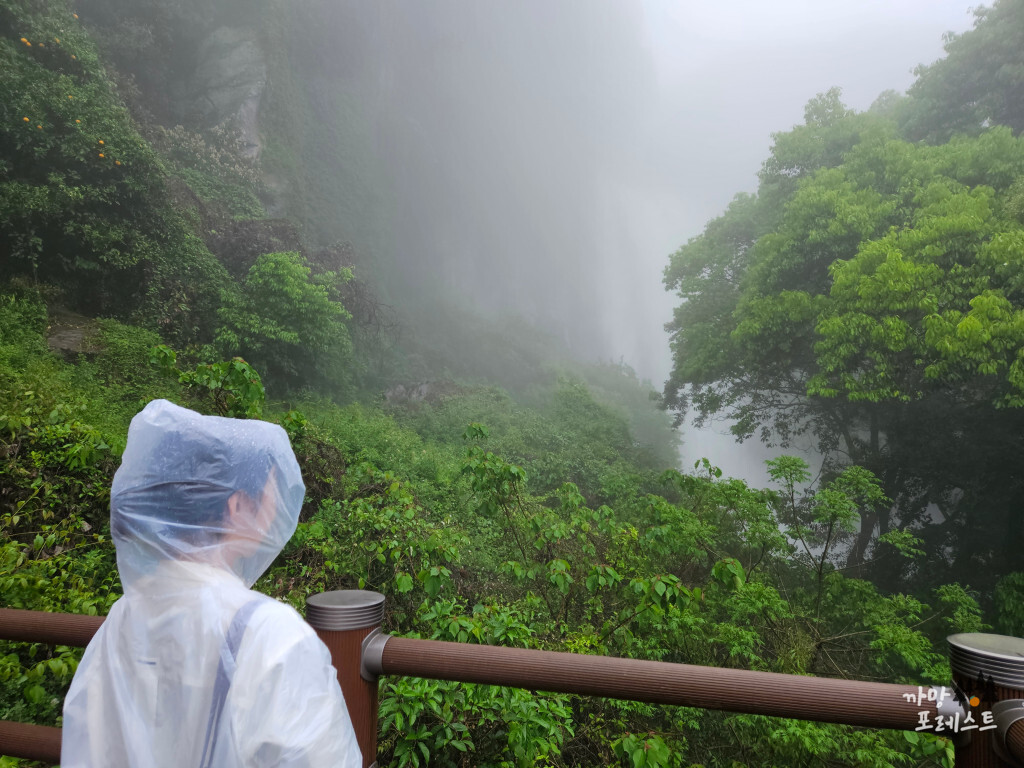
(425, 392)
(229, 79)
(70, 334)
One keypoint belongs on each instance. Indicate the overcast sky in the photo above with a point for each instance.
(734, 71)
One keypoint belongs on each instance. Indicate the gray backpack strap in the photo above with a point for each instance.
(220, 687)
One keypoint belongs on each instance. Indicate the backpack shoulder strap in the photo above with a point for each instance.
(232, 641)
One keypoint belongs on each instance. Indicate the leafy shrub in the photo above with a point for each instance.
(1009, 599)
(22, 320)
(288, 324)
(233, 385)
(123, 359)
(55, 554)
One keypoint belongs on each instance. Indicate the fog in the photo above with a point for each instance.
(545, 159)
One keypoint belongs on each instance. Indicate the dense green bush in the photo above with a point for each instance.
(289, 324)
(215, 169)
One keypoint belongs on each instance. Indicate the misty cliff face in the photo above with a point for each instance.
(228, 83)
(504, 132)
(471, 153)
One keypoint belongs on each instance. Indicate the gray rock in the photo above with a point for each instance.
(228, 83)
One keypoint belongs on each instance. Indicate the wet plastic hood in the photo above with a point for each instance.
(203, 489)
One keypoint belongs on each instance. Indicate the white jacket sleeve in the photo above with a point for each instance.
(287, 707)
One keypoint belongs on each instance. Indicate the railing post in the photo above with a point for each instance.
(989, 671)
(343, 619)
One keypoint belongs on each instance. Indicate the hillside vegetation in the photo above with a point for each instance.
(516, 498)
(870, 294)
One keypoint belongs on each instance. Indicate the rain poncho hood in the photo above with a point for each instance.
(191, 667)
(169, 497)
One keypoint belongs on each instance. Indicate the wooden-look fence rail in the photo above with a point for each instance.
(351, 632)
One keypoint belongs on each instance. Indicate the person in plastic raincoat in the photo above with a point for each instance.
(191, 668)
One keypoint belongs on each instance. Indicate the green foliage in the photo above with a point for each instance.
(81, 193)
(978, 83)
(928, 746)
(124, 358)
(797, 743)
(963, 609)
(438, 723)
(566, 434)
(729, 572)
(617, 387)
(645, 751)
(693, 569)
(871, 295)
(22, 320)
(462, 353)
(1009, 605)
(239, 202)
(289, 324)
(214, 168)
(234, 386)
(830, 130)
(820, 522)
(54, 552)
(400, 548)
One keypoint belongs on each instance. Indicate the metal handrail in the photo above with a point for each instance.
(30, 742)
(849, 702)
(827, 700)
(71, 629)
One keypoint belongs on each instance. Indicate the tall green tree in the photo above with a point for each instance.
(979, 83)
(871, 296)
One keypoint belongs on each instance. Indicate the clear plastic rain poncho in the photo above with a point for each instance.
(191, 668)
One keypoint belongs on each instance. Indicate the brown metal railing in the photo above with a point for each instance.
(40, 742)
(33, 742)
(876, 705)
(850, 702)
(53, 628)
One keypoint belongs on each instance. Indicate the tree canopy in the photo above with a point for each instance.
(979, 83)
(870, 294)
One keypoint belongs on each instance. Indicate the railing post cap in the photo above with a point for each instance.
(345, 609)
(980, 654)
(989, 645)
